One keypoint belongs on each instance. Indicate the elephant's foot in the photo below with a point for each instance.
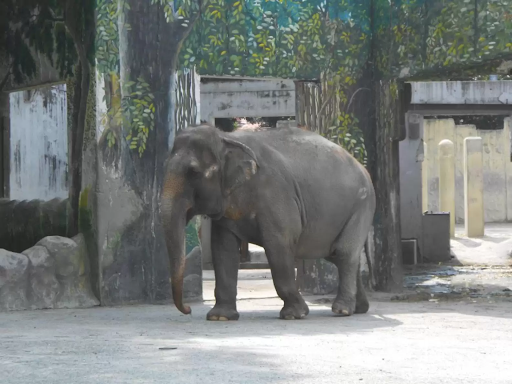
(344, 307)
(294, 311)
(362, 305)
(222, 313)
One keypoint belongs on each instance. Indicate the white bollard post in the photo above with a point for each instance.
(447, 181)
(473, 187)
(424, 180)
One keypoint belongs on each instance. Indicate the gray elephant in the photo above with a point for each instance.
(291, 191)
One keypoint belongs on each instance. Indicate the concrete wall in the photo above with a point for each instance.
(38, 144)
(497, 167)
(227, 98)
(462, 92)
(411, 160)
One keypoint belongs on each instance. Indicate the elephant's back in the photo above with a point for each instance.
(288, 141)
(327, 180)
(305, 153)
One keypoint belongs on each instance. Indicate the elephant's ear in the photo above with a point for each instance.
(240, 164)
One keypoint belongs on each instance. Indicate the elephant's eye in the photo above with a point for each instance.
(193, 172)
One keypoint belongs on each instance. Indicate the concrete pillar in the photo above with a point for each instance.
(447, 181)
(424, 180)
(473, 187)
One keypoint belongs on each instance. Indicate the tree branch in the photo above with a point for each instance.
(6, 77)
(353, 95)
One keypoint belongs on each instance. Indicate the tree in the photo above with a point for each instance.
(137, 50)
(64, 32)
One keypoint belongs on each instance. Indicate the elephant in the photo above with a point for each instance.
(289, 190)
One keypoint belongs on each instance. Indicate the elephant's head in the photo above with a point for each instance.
(204, 167)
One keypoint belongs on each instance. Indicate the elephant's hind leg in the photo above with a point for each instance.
(351, 296)
(282, 264)
(362, 304)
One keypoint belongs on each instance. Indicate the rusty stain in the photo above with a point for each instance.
(233, 213)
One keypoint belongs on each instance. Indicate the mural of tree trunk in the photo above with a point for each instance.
(388, 254)
(133, 256)
(79, 22)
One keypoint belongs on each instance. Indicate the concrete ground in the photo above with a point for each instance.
(396, 342)
(452, 324)
(495, 248)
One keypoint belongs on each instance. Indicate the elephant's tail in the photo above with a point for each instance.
(369, 262)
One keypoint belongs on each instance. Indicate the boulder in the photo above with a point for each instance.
(193, 287)
(71, 269)
(193, 281)
(14, 269)
(43, 282)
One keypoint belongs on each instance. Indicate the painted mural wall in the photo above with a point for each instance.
(496, 160)
(426, 37)
(355, 49)
(39, 144)
(287, 39)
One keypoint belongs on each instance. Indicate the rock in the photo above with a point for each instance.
(193, 287)
(193, 281)
(71, 267)
(14, 269)
(43, 282)
(65, 253)
(193, 264)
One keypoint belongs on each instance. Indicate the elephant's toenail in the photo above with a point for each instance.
(223, 318)
(344, 312)
(214, 318)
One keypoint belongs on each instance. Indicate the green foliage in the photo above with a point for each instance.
(293, 39)
(289, 39)
(347, 134)
(191, 233)
(138, 113)
(107, 36)
(417, 35)
(135, 113)
(35, 24)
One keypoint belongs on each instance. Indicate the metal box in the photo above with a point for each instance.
(410, 251)
(436, 236)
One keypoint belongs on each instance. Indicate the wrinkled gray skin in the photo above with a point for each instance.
(290, 191)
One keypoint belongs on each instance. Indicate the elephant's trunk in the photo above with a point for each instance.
(174, 223)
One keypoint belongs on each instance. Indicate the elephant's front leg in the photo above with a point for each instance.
(226, 260)
(281, 259)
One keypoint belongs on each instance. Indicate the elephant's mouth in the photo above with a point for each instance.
(216, 216)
